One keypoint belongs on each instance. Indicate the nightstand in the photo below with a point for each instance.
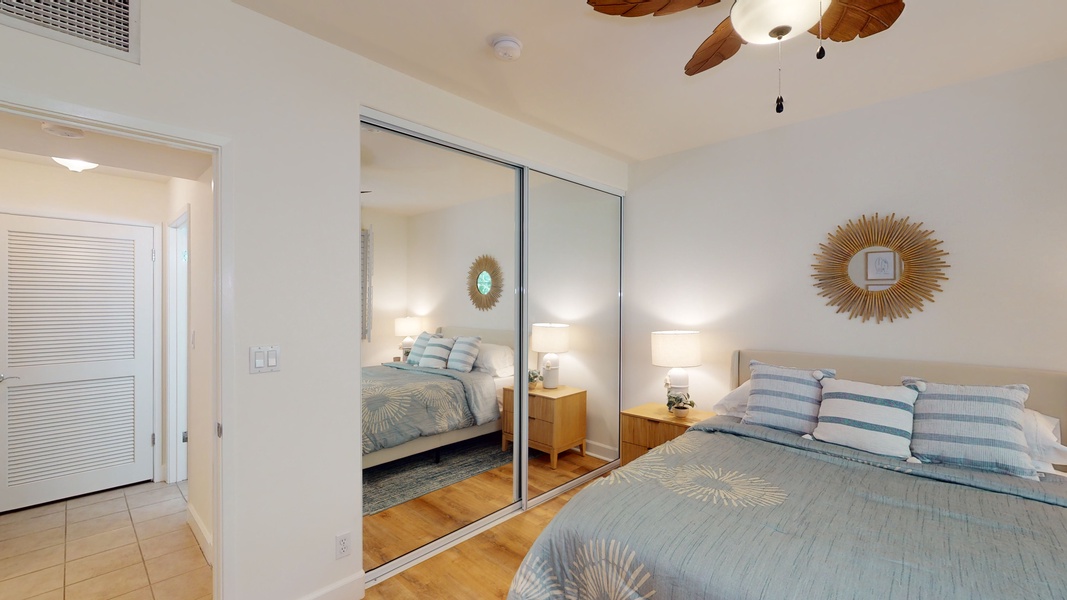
(557, 420)
(649, 425)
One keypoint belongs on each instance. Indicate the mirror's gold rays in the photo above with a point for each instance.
(922, 259)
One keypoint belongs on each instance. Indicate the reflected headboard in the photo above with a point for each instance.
(1048, 389)
(503, 337)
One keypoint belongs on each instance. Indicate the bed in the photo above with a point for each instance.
(407, 410)
(736, 510)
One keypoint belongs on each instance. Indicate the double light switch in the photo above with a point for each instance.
(264, 359)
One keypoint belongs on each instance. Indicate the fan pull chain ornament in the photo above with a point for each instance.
(779, 106)
(821, 54)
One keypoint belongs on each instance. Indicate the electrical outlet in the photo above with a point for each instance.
(342, 545)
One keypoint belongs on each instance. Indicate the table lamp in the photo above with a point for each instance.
(407, 327)
(677, 350)
(550, 339)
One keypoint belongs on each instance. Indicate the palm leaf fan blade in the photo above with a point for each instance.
(723, 43)
(844, 20)
(641, 8)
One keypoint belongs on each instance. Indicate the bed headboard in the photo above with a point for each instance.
(1048, 389)
(503, 337)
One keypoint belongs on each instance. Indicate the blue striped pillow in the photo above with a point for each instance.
(975, 426)
(415, 354)
(785, 398)
(437, 351)
(464, 353)
(868, 417)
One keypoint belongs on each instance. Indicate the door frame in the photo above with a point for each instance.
(172, 343)
(224, 357)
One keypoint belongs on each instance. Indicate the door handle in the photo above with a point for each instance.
(6, 377)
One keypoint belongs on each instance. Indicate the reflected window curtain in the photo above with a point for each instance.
(366, 274)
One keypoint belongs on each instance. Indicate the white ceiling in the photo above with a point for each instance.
(22, 139)
(617, 84)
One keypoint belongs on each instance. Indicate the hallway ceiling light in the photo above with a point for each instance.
(74, 164)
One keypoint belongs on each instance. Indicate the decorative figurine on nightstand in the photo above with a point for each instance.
(679, 403)
(533, 377)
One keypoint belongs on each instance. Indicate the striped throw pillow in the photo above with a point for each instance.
(785, 398)
(975, 426)
(437, 351)
(868, 417)
(464, 353)
(419, 347)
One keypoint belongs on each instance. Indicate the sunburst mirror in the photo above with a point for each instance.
(880, 268)
(485, 282)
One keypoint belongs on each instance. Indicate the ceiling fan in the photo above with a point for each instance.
(768, 22)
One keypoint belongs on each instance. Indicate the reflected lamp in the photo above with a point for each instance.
(550, 339)
(407, 327)
(676, 350)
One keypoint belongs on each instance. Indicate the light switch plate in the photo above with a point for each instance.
(260, 359)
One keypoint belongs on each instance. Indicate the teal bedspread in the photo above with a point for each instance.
(402, 402)
(732, 511)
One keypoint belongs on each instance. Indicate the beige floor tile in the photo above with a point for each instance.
(167, 543)
(174, 564)
(92, 511)
(33, 525)
(33, 584)
(101, 563)
(31, 561)
(109, 585)
(150, 529)
(100, 542)
(31, 542)
(141, 594)
(94, 498)
(188, 586)
(29, 513)
(153, 496)
(144, 487)
(53, 595)
(159, 509)
(84, 529)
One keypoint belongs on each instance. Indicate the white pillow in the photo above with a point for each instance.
(497, 360)
(865, 416)
(734, 403)
(1041, 436)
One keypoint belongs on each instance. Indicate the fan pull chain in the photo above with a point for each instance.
(779, 105)
(821, 54)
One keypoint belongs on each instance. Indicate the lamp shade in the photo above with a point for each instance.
(407, 326)
(550, 337)
(762, 21)
(676, 348)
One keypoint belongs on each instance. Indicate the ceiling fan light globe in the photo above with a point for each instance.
(760, 21)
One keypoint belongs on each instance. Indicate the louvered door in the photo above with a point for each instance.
(76, 299)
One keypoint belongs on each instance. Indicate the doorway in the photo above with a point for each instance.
(178, 349)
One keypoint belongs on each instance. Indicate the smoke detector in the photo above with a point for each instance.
(507, 48)
(71, 133)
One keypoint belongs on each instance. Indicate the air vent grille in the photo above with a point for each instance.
(108, 26)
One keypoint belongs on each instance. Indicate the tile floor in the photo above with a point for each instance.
(130, 544)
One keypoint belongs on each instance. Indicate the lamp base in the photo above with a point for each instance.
(677, 381)
(550, 371)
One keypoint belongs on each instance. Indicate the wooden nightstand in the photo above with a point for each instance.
(649, 425)
(557, 420)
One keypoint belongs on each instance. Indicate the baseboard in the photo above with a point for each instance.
(201, 533)
(349, 588)
(601, 451)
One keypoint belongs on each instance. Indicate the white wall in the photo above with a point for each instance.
(722, 238)
(390, 298)
(53, 191)
(286, 109)
(197, 197)
(442, 244)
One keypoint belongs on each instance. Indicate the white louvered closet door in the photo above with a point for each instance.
(76, 299)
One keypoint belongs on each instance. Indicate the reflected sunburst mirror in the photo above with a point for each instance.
(485, 282)
(921, 260)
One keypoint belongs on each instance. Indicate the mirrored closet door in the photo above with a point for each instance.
(574, 304)
(439, 276)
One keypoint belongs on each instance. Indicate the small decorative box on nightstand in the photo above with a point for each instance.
(557, 420)
(649, 425)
